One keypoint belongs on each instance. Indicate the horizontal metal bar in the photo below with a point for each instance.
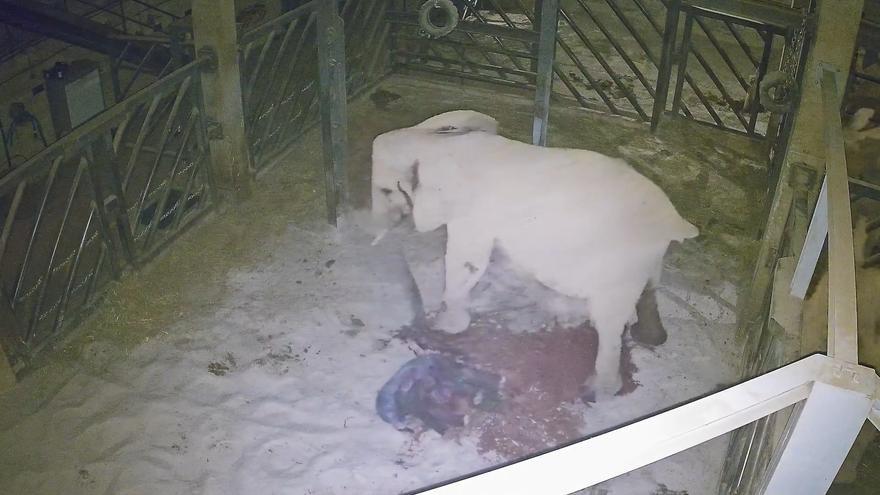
(860, 188)
(753, 137)
(83, 135)
(754, 10)
(758, 26)
(867, 77)
(525, 35)
(561, 471)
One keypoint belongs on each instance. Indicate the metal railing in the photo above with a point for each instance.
(721, 61)
(116, 190)
(615, 56)
(366, 42)
(831, 395)
(279, 63)
(107, 196)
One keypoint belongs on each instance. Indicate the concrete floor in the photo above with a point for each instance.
(223, 273)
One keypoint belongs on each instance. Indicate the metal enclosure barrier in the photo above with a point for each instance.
(104, 198)
(617, 56)
(111, 194)
(827, 398)
(280, 75)
(279, 64)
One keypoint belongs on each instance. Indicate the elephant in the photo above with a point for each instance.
(581, 223)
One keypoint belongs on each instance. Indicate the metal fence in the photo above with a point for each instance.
(115, 191)
(105, 197)
(279, 63)
(610, 56)
(721, 62)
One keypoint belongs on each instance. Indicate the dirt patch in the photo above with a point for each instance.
(543, 377)
(222, 366)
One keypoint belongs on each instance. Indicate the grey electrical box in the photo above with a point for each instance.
(75, 92)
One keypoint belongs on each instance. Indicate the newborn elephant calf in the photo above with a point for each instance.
(583, 224)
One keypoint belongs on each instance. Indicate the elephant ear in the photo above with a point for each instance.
(434, 197)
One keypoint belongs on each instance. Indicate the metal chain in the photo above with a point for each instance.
(792, 55)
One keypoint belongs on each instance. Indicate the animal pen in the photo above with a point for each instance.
(733, 107)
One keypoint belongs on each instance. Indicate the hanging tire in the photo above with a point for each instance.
(437, 18)
(775, 95)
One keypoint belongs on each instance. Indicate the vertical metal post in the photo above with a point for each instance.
(818, 443)
(216, 39)
(667, 54)
(334, 124)
(546, 57)
(682, 61)
(536, 27)
(123, 16)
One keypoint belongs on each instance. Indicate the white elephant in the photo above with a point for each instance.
(581, 223)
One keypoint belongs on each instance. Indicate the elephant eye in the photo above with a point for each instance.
(386, 191)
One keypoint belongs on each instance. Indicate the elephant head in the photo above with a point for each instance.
(400, 157)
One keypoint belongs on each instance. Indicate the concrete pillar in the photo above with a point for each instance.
(215, 35)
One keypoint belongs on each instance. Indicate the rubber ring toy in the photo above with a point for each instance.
(433, 11)
(771, 96)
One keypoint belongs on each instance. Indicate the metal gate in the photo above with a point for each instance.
(279, 65)
(105, 197)
(616, 56)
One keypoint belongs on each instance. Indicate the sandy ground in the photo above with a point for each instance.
(247, 358)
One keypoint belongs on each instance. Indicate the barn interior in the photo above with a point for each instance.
(193, 301)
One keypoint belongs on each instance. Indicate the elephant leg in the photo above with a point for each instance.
(609, 313)
(467, 257)
(649, 327)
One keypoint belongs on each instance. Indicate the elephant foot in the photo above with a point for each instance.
(602, 388)
(453, 319)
